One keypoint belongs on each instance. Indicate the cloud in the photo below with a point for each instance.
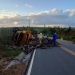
(16, 5)
(28, 5)
(2, 11)
(54, 17)
(15, 23)
(4, 14)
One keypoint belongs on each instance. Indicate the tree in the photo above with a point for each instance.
(69, 29)
(44, 31)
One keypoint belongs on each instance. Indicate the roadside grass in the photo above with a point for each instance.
(0, 56)
(6, 43)
(6, 40)
(10, 52)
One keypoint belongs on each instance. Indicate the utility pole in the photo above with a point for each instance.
(28, 21)
(44, 26)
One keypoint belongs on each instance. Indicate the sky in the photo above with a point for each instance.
(15, 13)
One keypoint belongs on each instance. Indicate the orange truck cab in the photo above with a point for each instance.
(21, 37)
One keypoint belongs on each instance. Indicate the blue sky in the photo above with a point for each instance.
(37, 5)
(21, 8)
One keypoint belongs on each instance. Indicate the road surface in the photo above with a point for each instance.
(54, 61)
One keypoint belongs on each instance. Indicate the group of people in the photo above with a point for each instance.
(41, 36)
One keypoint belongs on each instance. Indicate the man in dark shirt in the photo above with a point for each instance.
(54, 39)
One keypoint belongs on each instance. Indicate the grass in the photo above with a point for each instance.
(0, 56)
(6, 39)
(10, 52)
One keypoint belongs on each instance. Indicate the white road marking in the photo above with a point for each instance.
(31, 63)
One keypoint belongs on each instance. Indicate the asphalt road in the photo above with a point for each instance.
(67, 44)
(54, 61)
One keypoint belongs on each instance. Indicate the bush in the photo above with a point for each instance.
(65, 37)
(73, 37)
(59, 37)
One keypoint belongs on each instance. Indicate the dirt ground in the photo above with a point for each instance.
(14, 70)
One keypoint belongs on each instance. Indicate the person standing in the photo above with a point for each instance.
(54, 37)
(40, 36)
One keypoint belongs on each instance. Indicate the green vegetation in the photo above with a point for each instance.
(6, 43)
(9, 52)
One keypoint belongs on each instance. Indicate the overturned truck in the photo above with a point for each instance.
(21, 38)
